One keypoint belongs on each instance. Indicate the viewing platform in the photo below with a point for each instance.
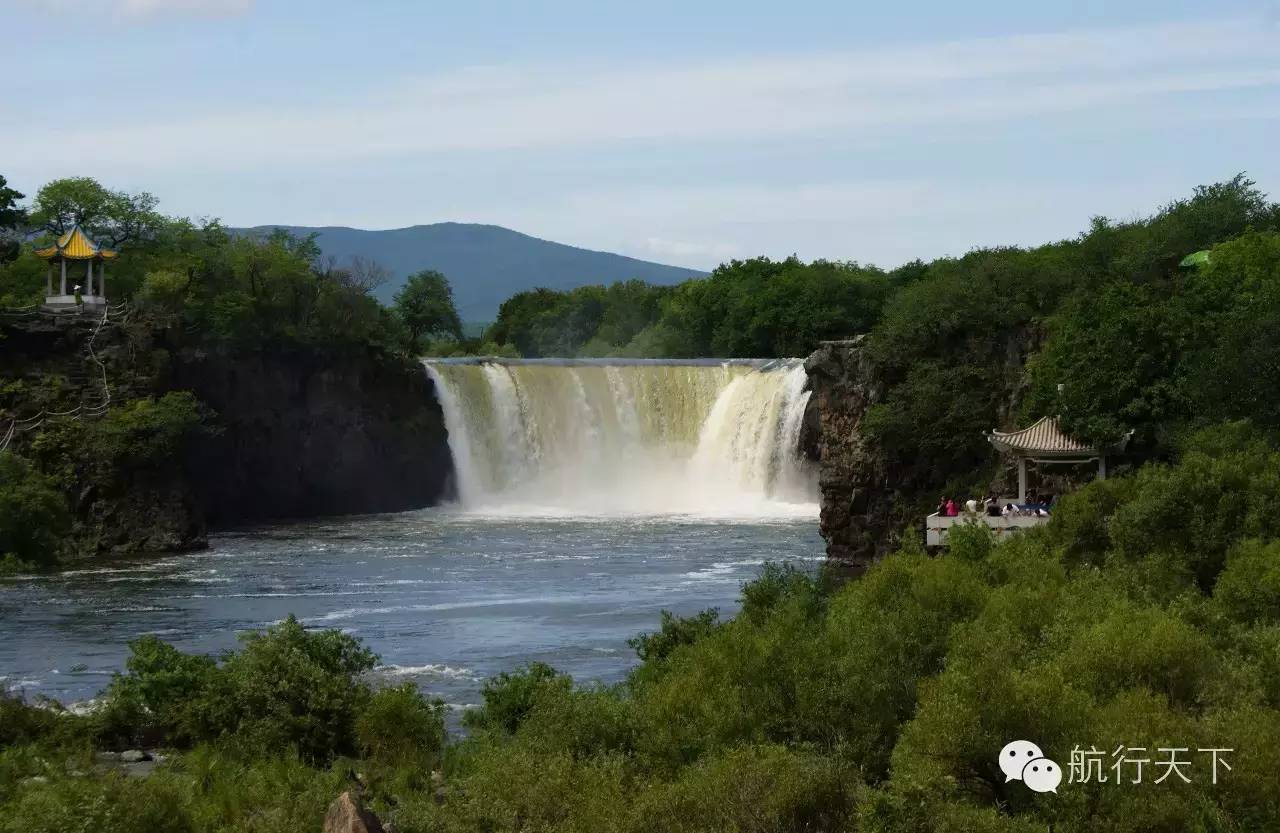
(938, 527)
(1042, 443)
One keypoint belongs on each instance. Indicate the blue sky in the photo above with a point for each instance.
(681, 132)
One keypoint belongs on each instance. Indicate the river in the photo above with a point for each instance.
(446, 598)
(593, 495)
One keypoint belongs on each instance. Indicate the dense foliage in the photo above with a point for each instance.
(190, 286)
(11, 218)
(1146, 615)
(753, 308)
(288, 688)
(425, 305)
(1107, 331)
(250, 291)
(67, 458)
(33, 514)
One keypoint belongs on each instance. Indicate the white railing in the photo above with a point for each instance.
(937, 527)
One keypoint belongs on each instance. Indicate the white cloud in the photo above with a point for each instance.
(139, 9)
(1092, 72)
(198, 7)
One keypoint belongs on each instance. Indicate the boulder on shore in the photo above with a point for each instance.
(347, 816)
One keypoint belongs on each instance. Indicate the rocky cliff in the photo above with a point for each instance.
(51, 379)
(870, 495)
(295, 431)
(304, 433)
(856, 494)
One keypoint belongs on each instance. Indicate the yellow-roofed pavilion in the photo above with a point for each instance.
(75, 246)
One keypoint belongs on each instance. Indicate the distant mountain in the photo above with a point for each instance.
(485, 264)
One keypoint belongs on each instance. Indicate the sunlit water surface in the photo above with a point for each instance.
(446, 598)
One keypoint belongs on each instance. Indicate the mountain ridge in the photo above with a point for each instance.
(485, 263)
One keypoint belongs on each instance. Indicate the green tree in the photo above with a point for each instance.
(111, 217)
(12, 216)
(425, 306)
(509, 697)
(400, 726)
(33, 513)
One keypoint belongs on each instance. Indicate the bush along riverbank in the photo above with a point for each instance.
(1146, 615)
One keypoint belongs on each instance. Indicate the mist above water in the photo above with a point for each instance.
(580, 438)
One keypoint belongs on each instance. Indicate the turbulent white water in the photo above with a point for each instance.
(701, 439)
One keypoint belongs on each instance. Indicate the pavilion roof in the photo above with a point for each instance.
(75, 245)
(1044, 438)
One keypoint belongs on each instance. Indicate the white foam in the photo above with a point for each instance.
(698, 443)
(428, 670)
(358, 612)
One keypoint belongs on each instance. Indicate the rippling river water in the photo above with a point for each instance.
(446, 598)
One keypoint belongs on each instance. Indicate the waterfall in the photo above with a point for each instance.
(618, 437)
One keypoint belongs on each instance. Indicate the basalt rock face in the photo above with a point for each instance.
(856, 496)
(296, 432)
(304, 433)
(57, 367)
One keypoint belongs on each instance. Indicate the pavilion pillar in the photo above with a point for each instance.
(1022, 480)
(88, 278)
(49, 280)
(63, 288)
(102, 279)
(1102, 467)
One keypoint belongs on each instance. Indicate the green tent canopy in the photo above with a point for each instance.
(1195, 259)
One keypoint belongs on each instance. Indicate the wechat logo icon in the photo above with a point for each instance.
(1022, 760)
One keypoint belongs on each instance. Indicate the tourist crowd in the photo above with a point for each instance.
(1035, 506)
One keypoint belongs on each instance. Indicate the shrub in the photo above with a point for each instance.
(399, 726)
(287, 688)
(583, 722)
(163, 291)
(777, 582)
(165, 693)
(970, 542)
(510, 696)
(109, 804)
(1249, 588)
(754, 789)
(34, 518)
(673, 632)
(22, 723)
(149, 431)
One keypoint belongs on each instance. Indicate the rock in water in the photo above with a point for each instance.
(347, 816)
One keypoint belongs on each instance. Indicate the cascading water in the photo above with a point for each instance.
(611, 437)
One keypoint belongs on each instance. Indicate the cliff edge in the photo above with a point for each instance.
(306, 433)
(855, 493)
